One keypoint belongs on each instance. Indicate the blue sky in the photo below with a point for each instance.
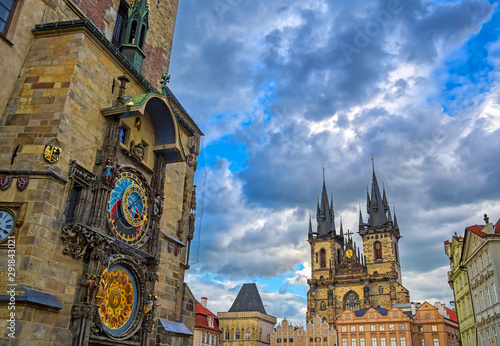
(282, 88)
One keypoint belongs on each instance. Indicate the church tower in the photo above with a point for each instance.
(343, 277)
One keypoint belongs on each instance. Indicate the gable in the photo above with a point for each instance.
(472, 241)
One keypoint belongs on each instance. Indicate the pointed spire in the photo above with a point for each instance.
(332, 211)
(341, 228)
(368, 202)
(361, 223)
(324, 212)
(396, 226)
(310, 225)
(376, 208)
(385, 201)
(389, 216)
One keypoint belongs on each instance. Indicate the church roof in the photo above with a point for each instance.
(248, 299)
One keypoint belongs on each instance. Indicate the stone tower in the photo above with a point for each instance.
(343, 277)
(97, 165)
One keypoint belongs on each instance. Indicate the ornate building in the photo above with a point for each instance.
(342, 276)
(426, 325)
(206, 329)
(316, 333)
(458, 279)
(481, 260)
(97, 162)
(247, 322)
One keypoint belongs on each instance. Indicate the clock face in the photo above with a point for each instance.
(348, 253)
(6, 224)
(128, 208)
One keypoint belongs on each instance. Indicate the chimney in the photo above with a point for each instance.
(413, 308)
(204, 301)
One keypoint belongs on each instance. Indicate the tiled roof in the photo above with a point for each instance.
(201, 318)
(452, 313)
(248, 299)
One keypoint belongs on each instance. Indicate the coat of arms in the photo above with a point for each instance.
(22, 182)
(5, 182)
(51, 153)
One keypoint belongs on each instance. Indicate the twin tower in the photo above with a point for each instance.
(344, 278)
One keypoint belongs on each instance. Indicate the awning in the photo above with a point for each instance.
(175, 327)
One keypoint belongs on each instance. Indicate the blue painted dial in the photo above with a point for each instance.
(128, 208)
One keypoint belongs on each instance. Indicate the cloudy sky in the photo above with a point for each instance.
(282, 88)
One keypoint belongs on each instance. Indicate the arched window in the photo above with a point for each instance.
(323, 306)
(237, 335)
(228, 334)
(378, 250)
(248, 334)
(396, 252)
(351, 301)
(322, 254)
(338, 255)
(131, 38)
(324, 319)
(380, 289)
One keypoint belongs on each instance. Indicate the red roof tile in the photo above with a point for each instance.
(453, 314)
(201, 318)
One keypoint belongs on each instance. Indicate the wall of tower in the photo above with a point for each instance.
(390, 252)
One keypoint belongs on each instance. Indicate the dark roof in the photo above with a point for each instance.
(248, 299)
(362, 312)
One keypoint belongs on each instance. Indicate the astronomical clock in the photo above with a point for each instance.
(116, 223)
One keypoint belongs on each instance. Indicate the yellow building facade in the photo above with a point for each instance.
(316, 333)
(246, 323)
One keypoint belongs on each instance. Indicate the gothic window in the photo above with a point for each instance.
(237, 335)
(378, 251)
(351, 301)
(323, 306)
(396, 252)
(228, 334)
(338, 255)
(248, 334)
(121, 17)
(7, 8)
(322, 254)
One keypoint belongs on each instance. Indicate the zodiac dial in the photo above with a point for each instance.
(128, 208)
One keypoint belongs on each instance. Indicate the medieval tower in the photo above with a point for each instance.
(343, 277)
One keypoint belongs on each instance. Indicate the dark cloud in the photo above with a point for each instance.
(298, 85)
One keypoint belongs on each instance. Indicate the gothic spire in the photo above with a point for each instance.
(376, 208)
(324, 211)
(310, 225)
(360, 217)
(341, 228)
(332, 211)
(385, 201)
(396, 226)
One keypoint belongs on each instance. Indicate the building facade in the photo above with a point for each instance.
(206, 329)
(425, 325)
(481, 259)
(247, 322)
(343, 277)
(458, 279)
(316, 333)
(97, 162)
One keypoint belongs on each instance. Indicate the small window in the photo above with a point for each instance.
(382, 327)
(427, 316)
(391, 327)
(421, 342)
(344, 328)
(248, 334)
(228, 334)
(361, 328)
(344, 342)
(373, 327)
(420, 328)
(123, 134)
(7, 8)
(279, 340)
(401, 326)
(237, 335)
(434, 328)
(121, 17)
(311, 340)
(353, 328)
(190, 305)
